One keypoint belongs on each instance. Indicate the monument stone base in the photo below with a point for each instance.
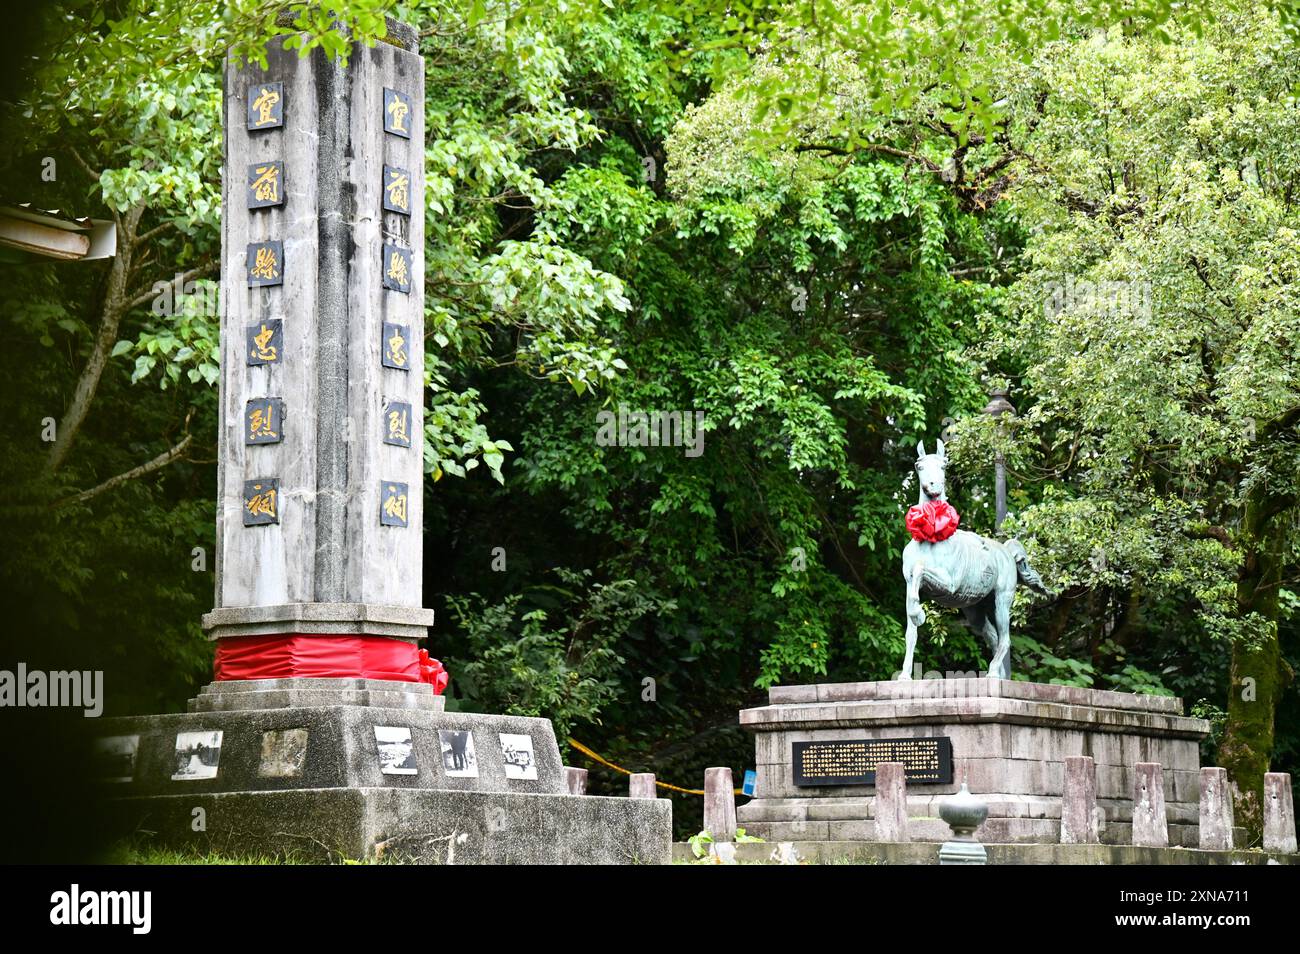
(1008, 739)
(353, 769)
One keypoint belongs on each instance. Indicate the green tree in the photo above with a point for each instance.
(1154, 334)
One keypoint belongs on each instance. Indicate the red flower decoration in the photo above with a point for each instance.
(431, 671)
(932, 521)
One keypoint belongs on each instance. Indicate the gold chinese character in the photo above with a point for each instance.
(263, 350)
(262, 504)
(397, 426)
(398, 187)
(266, 187)
(398, 110)
(265, 265)
(397, 348)
(264, 104)
(259, 423)
(395, 505)
(397, 268)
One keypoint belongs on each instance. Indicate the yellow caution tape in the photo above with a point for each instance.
(618, 768)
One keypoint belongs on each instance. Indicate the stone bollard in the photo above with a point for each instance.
(1216, 810)
(891, 802)
(1079, 802)
(1150, 826)
(641, 785)
(719, 804)
(575, 780)
(1279, 813)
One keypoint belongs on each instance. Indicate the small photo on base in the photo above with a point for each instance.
(458, 758)
(115, 757)
(197, 755)
(396, 751)
(517, 753)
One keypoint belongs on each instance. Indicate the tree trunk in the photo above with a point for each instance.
(1259, 674)
(114, 307)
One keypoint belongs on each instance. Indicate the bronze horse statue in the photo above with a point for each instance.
(964, 570)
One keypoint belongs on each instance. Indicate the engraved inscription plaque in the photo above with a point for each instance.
(265, 184)
(264, 421)
(396, 352)
(397, 190)
(854, 761)
(264, 342)
(265, 263)
(397, 268)
(397, 110)
(261, 501)
(392, 505)
(265, 106)
(397, 424)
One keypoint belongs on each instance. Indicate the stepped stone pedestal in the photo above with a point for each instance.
(332, 769)
(1008, 739)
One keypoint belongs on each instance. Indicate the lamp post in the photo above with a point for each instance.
(997, 406)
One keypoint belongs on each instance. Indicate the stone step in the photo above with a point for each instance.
(234, 695)
(920, 806)
(284, 699)
(263, 685)
(993, 831)
(896, 690)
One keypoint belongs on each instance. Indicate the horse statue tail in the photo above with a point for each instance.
(1027, 574)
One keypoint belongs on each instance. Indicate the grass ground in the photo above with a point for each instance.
(128, 854)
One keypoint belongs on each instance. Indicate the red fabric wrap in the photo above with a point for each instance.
(303, 656)
(932, 521)
(431, 671)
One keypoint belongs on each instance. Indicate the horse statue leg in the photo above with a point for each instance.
(1000, 665)
(915, 615)
(980, 620)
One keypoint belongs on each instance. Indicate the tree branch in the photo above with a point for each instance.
(1199, 267)
(870, 147)
(157, 230)
(95, 177)
(140, 297)
(159, 462)
(1211, 533)
(1283, 422)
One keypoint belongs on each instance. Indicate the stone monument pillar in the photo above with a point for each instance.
(322, 733)
(319, 536)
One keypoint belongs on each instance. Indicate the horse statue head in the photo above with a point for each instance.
(930, 470)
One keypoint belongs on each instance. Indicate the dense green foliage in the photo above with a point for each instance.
(823, 228)
(1165, 407)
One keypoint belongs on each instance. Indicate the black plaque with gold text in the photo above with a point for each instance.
(854, 761)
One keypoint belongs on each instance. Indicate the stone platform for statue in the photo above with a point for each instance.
(332, 769)
(1008, 739)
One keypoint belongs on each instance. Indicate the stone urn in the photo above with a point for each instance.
(963, 813)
